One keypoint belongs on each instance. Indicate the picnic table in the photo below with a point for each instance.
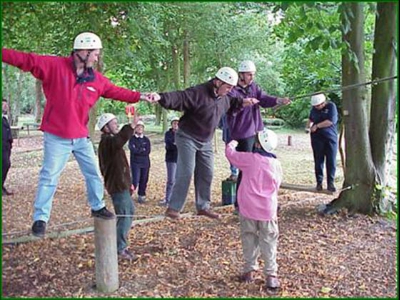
(15, 132)
(272, 123)
(31, 126)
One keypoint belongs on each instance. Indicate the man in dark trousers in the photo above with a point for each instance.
(203, 106)
(7, 145)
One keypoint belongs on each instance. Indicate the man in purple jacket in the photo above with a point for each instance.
(245, 124)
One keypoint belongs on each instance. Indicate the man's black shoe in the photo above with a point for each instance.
(103, 214)
(39, 228)
(331, 188)
(319, 187)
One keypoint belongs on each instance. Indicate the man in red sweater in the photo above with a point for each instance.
(72, 87)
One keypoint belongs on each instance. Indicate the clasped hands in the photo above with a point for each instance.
(150, 97)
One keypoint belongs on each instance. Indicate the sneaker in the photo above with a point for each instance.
(127, 255)
(39, 228)
(272, 282)
(236, 211)
(208, 213)
(141, 199)
(103, 213)
(331, 188)
(319, 187)
(163, 202)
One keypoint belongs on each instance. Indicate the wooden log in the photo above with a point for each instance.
(105, 239)
(303, 188)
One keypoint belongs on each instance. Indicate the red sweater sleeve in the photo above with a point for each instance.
(112, 91)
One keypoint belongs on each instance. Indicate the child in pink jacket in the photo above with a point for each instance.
(258, 202)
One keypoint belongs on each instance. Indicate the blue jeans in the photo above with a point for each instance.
(123, 205)
(171, 172)
(57, 151)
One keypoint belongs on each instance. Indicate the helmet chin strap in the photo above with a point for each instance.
(84, 60)
(216, 87)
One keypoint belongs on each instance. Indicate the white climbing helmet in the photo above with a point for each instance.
(104, 119)
(139, 123)
(227, 75)
(268, 139)
(247, 66)
(318, 99)
(87, 41)
(174, 119)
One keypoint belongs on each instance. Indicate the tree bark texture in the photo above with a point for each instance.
(39, 100)
(383, 104)
(360, 172)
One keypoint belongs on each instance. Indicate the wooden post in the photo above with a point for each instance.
(289, 140)
(105, 239)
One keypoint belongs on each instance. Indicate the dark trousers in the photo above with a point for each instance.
(6, 165)
(123, 206)
(324, 150)
(140, 177)
(244, 145)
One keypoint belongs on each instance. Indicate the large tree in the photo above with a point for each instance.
(372, 138)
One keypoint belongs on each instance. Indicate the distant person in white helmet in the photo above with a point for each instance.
(322, 126)
(117, 177)
(140, 147)
(245, 124)
(202, 106)
(72, 86)
(258, 202)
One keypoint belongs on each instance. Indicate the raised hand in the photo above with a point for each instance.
(233, 144)
(283, 101)
(250, 101)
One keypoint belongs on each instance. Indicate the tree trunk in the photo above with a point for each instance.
(383, 106)
(38, 102)
(15, 109)
(360, 173)
(186, 60)
(93, 110)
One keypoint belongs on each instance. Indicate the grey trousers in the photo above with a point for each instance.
(259, 236)
(194, 157)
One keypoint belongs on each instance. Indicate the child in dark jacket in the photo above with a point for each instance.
(115, 169)
(140, 148)
(171, 157)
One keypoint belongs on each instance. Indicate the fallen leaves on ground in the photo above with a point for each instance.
(335, 256)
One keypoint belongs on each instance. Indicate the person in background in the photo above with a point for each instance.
(171, 157)
(117, 179)
(72, 86)
(203, 106)
(140, 148)
(226, 137)
(7, 141)
(258, 202)
(322, 125)
(245, 124)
